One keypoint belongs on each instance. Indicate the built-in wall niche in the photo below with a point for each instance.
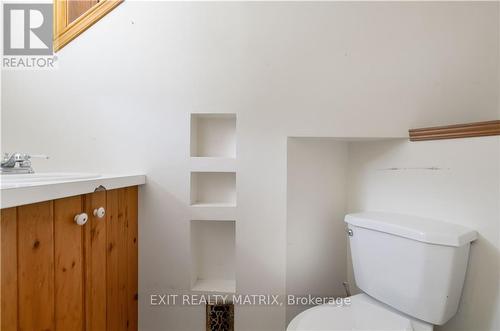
(213, 135)
(213, 189)
(213, 256)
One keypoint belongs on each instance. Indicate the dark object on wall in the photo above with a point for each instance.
(467, 130)
(220, 317)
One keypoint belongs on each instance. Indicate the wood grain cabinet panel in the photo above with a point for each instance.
(95, 257)
(57, 275)
(131, 205)
(35, 270)
(8, 267)
(122, 259)
(68, 250)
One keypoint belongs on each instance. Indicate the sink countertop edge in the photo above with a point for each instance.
(13, 197)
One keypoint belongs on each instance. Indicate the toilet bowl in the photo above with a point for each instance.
(411, 271)
(363, 313)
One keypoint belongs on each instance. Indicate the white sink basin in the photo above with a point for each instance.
(14, 181)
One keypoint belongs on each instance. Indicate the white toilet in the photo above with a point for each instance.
(410, 269)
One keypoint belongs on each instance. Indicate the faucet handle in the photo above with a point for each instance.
(18, 163)
(38, 156)
(9, 160)
(16, 157)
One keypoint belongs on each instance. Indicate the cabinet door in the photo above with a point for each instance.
(35, 266)
(95, 266)
(8, 267)
(121, 218)
(68, 253)
(42, 266)
(57, 275)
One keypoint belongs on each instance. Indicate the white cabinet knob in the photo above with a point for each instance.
(81, 219)
(99, 212)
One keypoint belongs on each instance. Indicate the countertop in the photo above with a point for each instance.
(19, 190)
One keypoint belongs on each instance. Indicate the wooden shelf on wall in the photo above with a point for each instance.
(467, 130)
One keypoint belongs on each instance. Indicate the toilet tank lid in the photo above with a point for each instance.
(413, 227)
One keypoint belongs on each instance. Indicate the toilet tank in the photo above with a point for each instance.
(416, 265)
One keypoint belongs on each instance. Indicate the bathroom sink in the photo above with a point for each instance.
(21, 180)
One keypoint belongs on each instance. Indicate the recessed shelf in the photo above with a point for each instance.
(213, 135)
(212, 212)
(213, 164)
(213, 256)
(213, 205)
(213, 189)
(215, 285)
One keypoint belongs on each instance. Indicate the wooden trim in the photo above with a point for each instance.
(478, 129)
(65, 33)
(60, 17)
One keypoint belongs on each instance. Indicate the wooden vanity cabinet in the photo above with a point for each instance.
(57, 275)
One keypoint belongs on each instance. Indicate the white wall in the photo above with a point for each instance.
(316, 205)
(464, 190)
(121, 99)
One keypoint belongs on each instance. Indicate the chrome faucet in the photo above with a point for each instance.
(18, 163)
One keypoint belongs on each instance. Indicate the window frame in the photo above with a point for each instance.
(64, 32)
